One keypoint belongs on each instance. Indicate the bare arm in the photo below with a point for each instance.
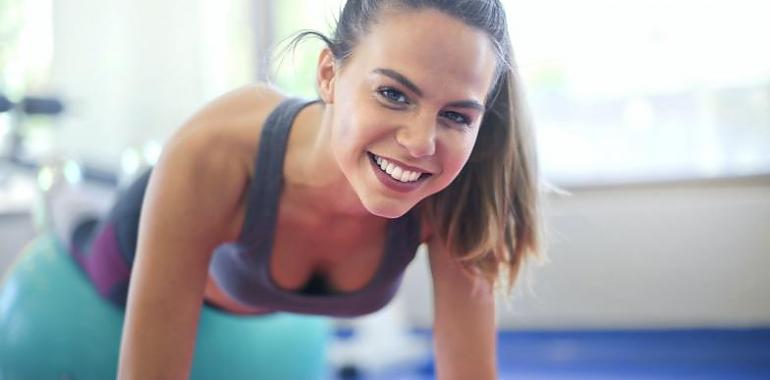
(464, 323)
(189, 208)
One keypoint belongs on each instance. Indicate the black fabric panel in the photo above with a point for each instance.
(125, 216)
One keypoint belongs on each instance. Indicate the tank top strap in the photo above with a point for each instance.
(241, 269)
(265, 187)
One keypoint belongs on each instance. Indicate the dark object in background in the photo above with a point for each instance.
(31, 105)
(40, 106)
(349, 372)
(34, 105)
(5, 104)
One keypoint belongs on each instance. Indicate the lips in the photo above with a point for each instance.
(413, 178)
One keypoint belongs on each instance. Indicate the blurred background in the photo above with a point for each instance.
(652, 119)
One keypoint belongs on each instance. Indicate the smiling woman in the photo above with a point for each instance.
(395, 101)
(263, 203)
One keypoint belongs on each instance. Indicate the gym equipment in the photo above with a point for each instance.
(53, 325)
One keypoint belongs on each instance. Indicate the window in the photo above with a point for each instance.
(646, 90)
(128, 72)
(26, 50)
(294, 70)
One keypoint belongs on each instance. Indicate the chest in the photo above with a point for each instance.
(346, 255)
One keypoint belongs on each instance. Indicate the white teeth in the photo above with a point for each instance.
(395, 171)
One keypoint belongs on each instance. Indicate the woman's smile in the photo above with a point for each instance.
(395, 175)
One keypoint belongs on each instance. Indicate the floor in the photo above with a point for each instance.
(598, 355)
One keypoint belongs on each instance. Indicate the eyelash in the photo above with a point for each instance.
(392, 95)
(458, 118)
(391, 98)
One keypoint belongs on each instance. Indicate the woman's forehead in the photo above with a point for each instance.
(435, 51)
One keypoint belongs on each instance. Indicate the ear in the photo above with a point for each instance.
(325, 75)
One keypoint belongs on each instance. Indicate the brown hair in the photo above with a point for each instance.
(489, 216)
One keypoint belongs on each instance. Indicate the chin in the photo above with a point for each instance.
(388, 210)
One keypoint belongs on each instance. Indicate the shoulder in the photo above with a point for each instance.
(213, 151)
(228, 127)
(235, 113)
(251, 100)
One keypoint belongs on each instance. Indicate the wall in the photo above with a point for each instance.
(656, 256)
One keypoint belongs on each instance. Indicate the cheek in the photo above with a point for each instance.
(455, 156)
(351, 136)
(458, 151)
(348, 113)
(357, 127)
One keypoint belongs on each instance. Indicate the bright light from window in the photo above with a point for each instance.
(293, 70)
(646, 90)
(28, 48)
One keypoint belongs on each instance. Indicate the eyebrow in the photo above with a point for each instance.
(395, 75)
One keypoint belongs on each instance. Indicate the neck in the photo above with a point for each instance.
(313, 179)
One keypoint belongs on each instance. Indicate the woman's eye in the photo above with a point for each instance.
(457, 118)
(393, 95)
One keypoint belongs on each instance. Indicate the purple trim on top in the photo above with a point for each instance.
(105, 267)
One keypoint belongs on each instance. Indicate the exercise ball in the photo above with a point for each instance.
(53, 325)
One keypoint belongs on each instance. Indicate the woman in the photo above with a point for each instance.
(418, 137)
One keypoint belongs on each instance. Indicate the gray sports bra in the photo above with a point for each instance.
(241, 268)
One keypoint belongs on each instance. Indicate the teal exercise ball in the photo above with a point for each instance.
(53, 325)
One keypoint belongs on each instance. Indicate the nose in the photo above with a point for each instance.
(419, 137)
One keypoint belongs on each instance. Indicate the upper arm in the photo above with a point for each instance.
(464, 318)
(194, 202)
(189, 208)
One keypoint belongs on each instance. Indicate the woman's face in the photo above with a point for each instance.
(406, 107)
